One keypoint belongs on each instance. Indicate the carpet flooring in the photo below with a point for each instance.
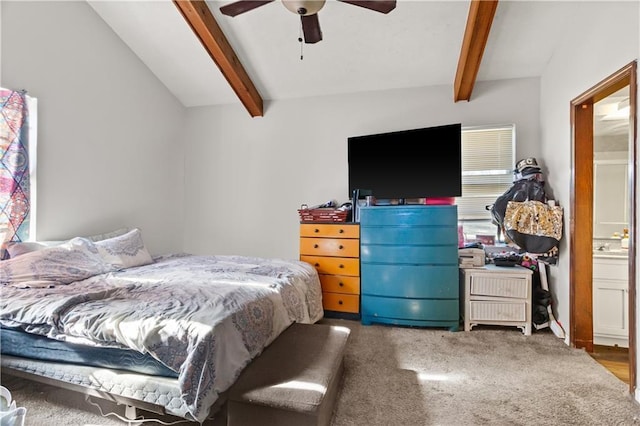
(416, 376)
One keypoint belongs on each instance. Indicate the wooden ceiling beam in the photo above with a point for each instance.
(204, 25)
(476, 34)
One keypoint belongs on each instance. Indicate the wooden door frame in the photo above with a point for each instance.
(581, 219)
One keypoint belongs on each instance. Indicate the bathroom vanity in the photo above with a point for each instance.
(611, 298)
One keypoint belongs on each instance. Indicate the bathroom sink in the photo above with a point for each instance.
(611, 253)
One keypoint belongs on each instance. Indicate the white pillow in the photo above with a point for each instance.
(107, 235)
(124, 251)
(16, 248)
(74, 260)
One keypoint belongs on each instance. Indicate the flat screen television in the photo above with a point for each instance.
(418, 163)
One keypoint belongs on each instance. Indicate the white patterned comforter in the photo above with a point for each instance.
(206, 317)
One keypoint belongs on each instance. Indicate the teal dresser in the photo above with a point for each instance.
(409, 265)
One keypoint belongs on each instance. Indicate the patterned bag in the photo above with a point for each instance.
(533, 225)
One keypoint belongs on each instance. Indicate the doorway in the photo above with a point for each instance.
(582, 212)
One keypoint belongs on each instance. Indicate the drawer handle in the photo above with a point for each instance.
(340, 247)
(341, 284)
(317, 265)
(316, 230)
(341, 231)
(315, 246)
(339, 302)
(341, 266)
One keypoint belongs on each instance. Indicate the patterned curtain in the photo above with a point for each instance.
(14, 166)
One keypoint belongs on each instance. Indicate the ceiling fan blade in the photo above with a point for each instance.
(242, 6)
(311, 28)
(382, 6)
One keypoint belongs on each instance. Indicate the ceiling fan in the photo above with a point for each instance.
(308, 11)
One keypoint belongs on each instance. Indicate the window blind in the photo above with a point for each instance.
(488, 158)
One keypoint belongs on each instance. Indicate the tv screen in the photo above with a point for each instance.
(418, 163)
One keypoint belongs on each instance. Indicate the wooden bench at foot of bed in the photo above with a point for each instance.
(295, 381)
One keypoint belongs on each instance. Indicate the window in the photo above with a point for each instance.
(488, 156)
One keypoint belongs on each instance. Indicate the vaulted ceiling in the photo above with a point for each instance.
(207, 58)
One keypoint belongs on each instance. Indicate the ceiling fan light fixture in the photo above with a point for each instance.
(304, 7)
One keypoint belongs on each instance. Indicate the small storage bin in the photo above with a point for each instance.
(322, 215)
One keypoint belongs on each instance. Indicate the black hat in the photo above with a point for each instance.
(527, 166)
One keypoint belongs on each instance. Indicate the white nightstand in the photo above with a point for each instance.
(497, 295)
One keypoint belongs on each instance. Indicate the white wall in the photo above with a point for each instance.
(246, 178)
(109, 145)
(582, 60)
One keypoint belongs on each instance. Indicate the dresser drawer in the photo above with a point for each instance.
(410, 215)
(341, 302)
(334, 265)
(329, 230)
(340, 284)
(482, 310)
(500, 286)
(407, 235)
(411, 281)
(340, 247)
(415, 309)
(416, 255)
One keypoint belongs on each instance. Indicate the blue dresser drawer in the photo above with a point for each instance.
(409, 215)
(412, 255)
(376, 308)
(439, 282)
(409, 235)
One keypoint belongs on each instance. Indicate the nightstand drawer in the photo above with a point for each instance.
(340, 247)
(334, 265)
(341, 302)
(500, 286)
(340, 284)
(482, 310)
(329, 230)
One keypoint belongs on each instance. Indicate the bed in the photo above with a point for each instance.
(173, 331)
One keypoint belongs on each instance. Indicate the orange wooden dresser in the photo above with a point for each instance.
(334, 250)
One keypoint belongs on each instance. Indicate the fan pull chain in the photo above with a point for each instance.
(300, 39)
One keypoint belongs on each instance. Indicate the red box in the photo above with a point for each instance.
(448, 201)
